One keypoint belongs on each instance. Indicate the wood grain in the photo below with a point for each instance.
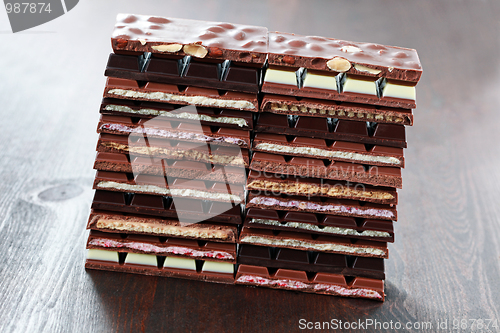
(445, 263)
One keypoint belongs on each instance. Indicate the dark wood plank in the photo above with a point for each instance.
(444, 265)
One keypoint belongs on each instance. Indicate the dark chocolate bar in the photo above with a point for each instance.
(269, 183)
(179, 169)
(291, 105)
(319, 283)
(184, 113)
(320, 224)
(324, 149)
(308, 242)
(124, 223)
(135, 34)
(389, 135)
(174, 150)
(167, 93)
(168, 207)
(169, 186)
(150, 264)
(187, 71)
(314, 168)
(328, 54)
(173, 130)
(311, 261)
(322, 205)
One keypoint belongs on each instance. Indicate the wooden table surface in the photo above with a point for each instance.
(444, 265)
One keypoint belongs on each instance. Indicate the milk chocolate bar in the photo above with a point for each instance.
(168, 93)
(322, 205)
(320, 224)
(291, 105)
(311, 261)
(335, 55)
(319, 283)
(179, 169)
(314, 168)
(170, 186)
(389, 135)
(308, 242)
(124, 223)
(174, 150)
(173, 37)
(173, 130)
(175, 247)
(269, 183)
(323, 149)
(187, 71)
(169, 266)
(184, 113)
(168, 207)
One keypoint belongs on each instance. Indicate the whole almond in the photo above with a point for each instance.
(167, 48)
(121, 43)
(289, 60)
(339, 64)
(195, 50)
(215, 52)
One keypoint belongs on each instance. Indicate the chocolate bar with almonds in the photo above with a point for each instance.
(175, 38)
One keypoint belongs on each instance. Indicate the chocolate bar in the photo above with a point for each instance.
(320, 148)
(173, 130)
(150, 264)
(135, 34)
(168, 207)
(175, 247)
(177, 169)
(170, 186)
(319, 283)
(314, 168)
(320, 224)
(168, 93)
(328, 54)
(322, 205)
(311, 261)
(184, 113)
(187, 71)
(291, 105)
(175, 150)
(342, 87)
(308, 242)
(123, 223)
(269, 183)
(389, 135)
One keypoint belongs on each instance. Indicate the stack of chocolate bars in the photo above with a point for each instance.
(327, 159)
(315, 128)
(174, 145)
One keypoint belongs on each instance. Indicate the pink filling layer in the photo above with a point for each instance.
(321, 208)
(337, 290)
(150, 248)
(168, 134)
